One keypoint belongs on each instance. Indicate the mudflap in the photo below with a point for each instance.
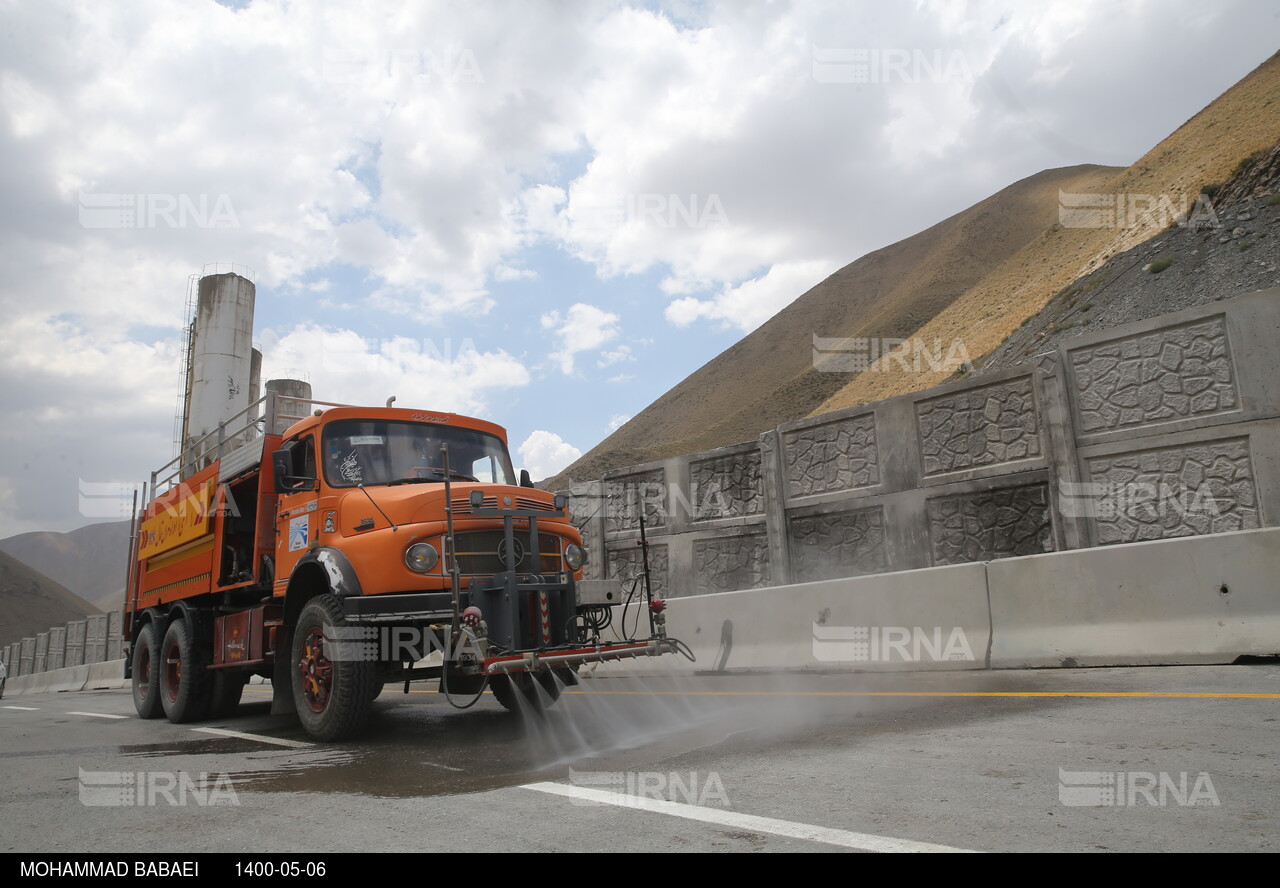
(282, 702)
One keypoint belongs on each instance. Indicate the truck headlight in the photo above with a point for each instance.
(575, 556)
(421, 557)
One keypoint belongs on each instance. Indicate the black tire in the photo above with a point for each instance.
(184, 675)
(224, 694)
(333, 698)
(376, 692)
(537, 693)
(146, 673)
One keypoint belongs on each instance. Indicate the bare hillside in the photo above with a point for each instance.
(30, 602)
(89, 561)
(768, 377)
(1204, 151)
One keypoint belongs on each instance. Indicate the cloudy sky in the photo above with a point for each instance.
(545, 214)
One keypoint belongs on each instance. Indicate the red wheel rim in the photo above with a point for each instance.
(316, 671)
(144, 666)
(172, 671)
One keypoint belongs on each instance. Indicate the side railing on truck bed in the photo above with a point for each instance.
(236, 442)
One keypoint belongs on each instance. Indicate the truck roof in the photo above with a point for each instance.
(398, 414)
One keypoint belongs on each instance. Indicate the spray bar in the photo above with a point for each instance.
(533, 661)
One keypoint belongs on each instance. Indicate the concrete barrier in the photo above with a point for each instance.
(68, 678)
(1205, 599)
(106, 675)
(36, 683)
(918, 620)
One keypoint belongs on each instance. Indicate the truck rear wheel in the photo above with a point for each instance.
(184, 676)
(332, 696)
(146, 673)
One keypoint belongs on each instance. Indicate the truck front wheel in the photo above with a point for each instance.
(332, 685)
(146, 673)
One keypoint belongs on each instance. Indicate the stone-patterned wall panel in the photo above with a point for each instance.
(727, 486)
(841, 544)
(1175, 373)
(979, 427)
(990, 524)
(838, 455)
(1172, 492)
(625, 564)
(581, 510)
(628, 494)
(725, 564)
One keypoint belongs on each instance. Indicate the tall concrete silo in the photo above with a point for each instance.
(221, 360)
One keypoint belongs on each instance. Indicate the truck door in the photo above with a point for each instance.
(297, 516)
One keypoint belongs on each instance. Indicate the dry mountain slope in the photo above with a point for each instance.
(30, 602)
(89, 561)
(1204, 150)
(768, 377)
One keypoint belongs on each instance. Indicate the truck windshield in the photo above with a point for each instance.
(373, 452)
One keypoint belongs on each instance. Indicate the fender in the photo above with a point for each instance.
(333, 563)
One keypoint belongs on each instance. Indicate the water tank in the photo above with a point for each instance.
(289, 410)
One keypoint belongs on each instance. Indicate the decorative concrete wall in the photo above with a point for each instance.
(1165, 428)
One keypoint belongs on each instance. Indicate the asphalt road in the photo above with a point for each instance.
(1151, 759)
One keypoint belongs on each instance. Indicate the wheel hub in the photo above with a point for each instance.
(316, 671)
(172, 672)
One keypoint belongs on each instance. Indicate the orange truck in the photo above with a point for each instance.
(359, 547)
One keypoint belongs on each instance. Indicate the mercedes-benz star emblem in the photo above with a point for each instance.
(519, 552)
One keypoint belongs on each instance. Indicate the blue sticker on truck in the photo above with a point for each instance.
(299, 529)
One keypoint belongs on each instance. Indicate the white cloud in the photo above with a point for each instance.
(546, 454)
(435, 374)
(397, 171)
(751, 303)
(615, 356)
(582, 328)
(617, 421)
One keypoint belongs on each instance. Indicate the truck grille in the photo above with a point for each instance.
(523, 503)
(480, 553)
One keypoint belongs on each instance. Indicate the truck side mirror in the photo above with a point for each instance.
(525, 480)
(281, 467)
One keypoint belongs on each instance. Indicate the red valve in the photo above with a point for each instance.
(657, 605)
(472, 616)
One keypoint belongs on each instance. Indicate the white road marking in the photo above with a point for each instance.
(25, 708)
(97, 715)
(277, 741)
(768, 825)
